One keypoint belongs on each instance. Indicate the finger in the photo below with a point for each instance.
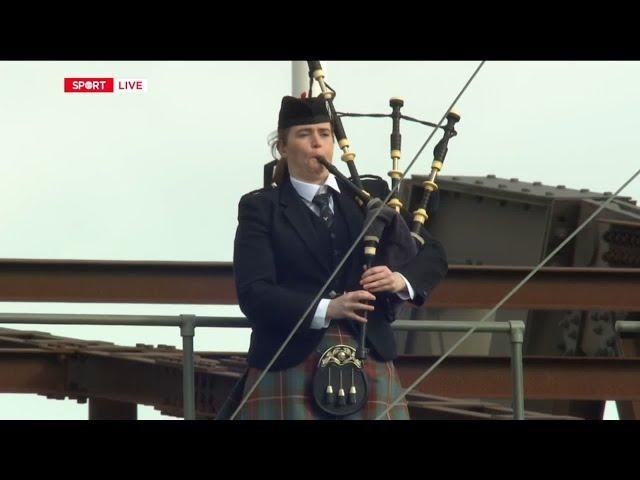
(370, 271)
(352, 307)
(368, 290)
(364, 295)
(382, 269)
(385, 286)
(380, 289)
(363, 306)
(357, 318)
(366, 276)
(378, 284)
(374, 278)
(374, 270)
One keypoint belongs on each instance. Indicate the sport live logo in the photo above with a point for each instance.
(104, 85)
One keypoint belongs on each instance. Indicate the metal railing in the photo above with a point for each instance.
(627, 326)
(188, 324)
(515, 329)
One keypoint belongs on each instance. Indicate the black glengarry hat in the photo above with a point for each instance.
(302, 111)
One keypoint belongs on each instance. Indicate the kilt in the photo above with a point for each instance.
(286, 394)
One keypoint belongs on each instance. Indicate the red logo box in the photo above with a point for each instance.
(88, 85)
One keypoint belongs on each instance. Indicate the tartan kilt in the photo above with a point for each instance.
(286, 394)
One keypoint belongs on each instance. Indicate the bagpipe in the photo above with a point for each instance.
(388, 239)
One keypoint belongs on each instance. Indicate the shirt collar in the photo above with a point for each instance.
(309, 190)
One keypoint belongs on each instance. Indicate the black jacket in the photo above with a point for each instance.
(278, 272)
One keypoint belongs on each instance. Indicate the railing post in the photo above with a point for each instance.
(627, 326)
(517, 376)
(187, 331)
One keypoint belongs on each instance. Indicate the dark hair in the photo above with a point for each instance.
(282, 169)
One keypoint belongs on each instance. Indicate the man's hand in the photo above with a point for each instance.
(381, 279)
(345, 306)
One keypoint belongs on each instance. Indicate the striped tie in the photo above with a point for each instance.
(322, 201)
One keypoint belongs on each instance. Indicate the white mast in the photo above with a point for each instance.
(300, 79)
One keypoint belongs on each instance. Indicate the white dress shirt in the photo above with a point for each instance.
(307, 192)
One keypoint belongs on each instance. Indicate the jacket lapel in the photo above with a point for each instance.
(295, 212)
